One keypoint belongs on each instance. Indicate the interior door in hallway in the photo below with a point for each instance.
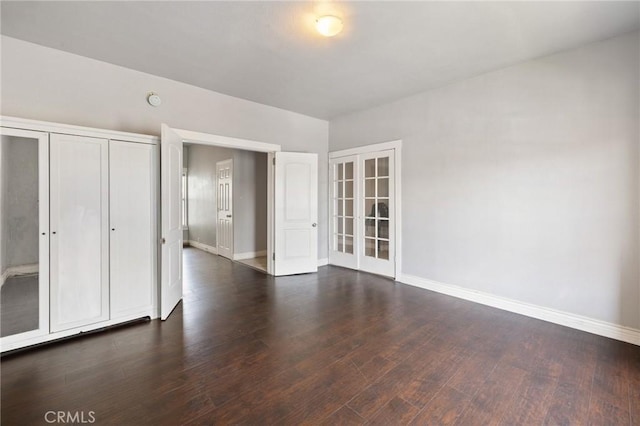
(224, 227)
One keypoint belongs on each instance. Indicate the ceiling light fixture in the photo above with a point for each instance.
(329, 25)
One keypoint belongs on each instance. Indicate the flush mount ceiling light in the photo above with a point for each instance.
(329, 25)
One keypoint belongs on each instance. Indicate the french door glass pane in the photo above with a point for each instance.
(348, 245)
(348, 226)
(348, 208)
(383, 250)
(370, 168)
(370, 228)
(376, 207)
(383, 187)
(348, 189)
(383, 166)
(343, 210)
(383, 228)
(370, 247)
(369, 187)
(370, 207)
(383, 207)
(348, 170)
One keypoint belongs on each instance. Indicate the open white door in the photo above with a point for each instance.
(295, 213)
(171, 187)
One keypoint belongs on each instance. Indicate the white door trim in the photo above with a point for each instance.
(189, 136)
(396, 146)
(198, 138)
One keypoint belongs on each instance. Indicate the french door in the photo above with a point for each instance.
(363, 212)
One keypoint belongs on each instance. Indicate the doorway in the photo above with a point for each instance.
(364, 193)
(291, 190)
(216, 221)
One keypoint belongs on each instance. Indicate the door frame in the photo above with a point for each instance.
(199, 138)
(396, 146)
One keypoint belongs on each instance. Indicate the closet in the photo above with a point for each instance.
(95, 193)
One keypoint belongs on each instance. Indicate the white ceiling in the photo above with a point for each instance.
(268, 52)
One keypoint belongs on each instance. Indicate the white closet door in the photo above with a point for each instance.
(132, 190)
(79, 197)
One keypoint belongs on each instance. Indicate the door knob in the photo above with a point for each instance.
(314, 224)
(228, 215)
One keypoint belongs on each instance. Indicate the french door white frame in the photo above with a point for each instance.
(396, 146)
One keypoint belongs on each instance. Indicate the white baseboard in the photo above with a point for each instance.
(249, 255)
(203, 247)
(590, 325)
(15, 271)
(323, 262)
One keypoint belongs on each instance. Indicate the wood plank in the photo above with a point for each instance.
(247, 348)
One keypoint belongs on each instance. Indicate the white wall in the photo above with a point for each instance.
(249, 196)
(202, 202)
(524, 182)
(47, 84)
(249, 201)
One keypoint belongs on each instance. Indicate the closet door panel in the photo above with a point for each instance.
(79, 194)
(133, 228)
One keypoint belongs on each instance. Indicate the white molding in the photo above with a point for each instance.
(323, 262)
(578, 322)
(68, 129)
(190, 136)
(249, 255)
(203, 247)
(15, 271)
(365, 149)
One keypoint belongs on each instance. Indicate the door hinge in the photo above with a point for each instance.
(274, 161)
(274, 256)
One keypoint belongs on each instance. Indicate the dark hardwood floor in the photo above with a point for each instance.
(336, 347)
